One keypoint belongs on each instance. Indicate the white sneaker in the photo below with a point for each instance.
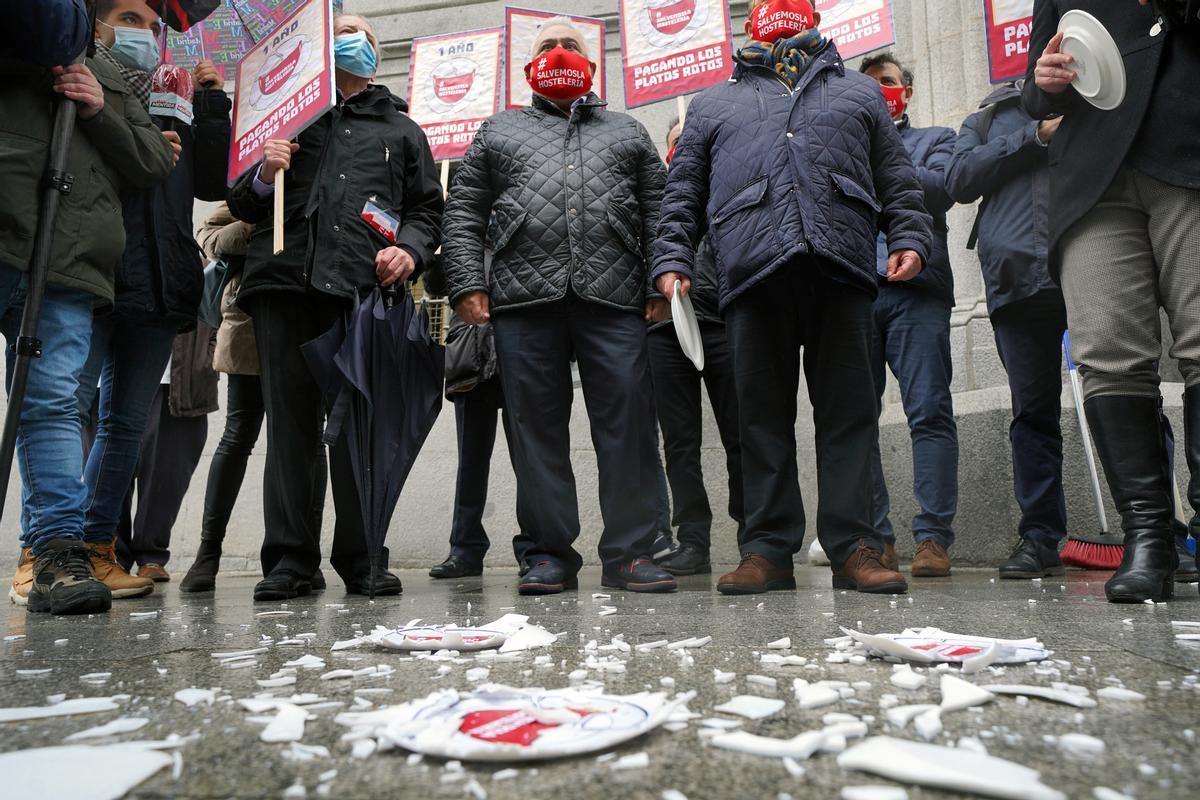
(816, 554)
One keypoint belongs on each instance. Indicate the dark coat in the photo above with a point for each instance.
(930, 150)
(563, 203)
(193, 391)
(364, 149)
(117, 150)
(775, 175)
(706, 299)
(1155, 130)
(161, 274)
(1009, 171)
(45, 32)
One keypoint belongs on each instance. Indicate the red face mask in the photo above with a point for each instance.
(895, 99)
(781, 19)
(559, 75)
(671, 154)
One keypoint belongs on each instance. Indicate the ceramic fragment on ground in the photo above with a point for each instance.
(1042, 692)
(65, 708)
(288, 725)
(798, 748)
(193, 696)
(114, 728)
(958, 694)
(1119, 693)
(79, 772)
(874, 793)
(501, 723)
(930, 645)
(947, 768)
(751, 706)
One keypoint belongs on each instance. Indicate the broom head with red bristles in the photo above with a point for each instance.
(1102, 551)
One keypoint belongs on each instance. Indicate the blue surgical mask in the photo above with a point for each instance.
(136, 48)
(352, 52)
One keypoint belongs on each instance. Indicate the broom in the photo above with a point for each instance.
(1103, 550)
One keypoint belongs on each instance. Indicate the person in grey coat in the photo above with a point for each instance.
(565, 194)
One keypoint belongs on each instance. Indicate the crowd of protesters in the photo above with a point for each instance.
(800, 210)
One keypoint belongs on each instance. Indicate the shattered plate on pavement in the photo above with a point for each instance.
(933, 645)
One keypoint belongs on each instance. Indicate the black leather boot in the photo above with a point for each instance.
(202, 577)
(1129, 442)
(1191, 438)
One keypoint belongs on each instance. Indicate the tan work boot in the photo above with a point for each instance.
(864, 572)
(756, 575)
(114, 576)
(23, 580)
(931, 561)
(155, 572)
(890, 559)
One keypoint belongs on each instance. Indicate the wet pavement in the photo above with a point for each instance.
(1151, 743)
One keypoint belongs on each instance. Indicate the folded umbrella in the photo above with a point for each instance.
(183, 14)
(381, 373)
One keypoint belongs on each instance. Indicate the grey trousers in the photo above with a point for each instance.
(1136, 250)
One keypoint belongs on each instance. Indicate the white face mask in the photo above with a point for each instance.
(136, 48)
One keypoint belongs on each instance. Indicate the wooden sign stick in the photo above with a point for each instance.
(278, 211)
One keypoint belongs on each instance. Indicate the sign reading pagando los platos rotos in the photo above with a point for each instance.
(857, 26)
(1009, 25)
(521, 26)
(283, 85)
(673, 47)
(453, 86)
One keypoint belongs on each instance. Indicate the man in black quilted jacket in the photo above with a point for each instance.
(793, 166)
(565, 194)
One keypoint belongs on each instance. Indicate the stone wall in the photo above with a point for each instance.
(942, 41)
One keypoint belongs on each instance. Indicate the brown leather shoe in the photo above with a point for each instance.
(890, 559)
(864, 572)
(931, 561)
(114, 576)
(22, 582)
(155, 572)
(756, 575)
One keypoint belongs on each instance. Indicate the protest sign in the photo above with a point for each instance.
(1009, 26)
(261, 17)
(453, 86)
(673, 47)
(520, 29)
(220, 38)
(857, 26)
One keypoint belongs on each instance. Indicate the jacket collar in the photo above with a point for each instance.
(828, 58)
(375, 100)
(1002, 94)
(585, 105)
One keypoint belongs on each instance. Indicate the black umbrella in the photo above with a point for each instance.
(381, 373)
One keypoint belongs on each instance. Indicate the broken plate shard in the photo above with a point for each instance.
(114, 728)
(1043, 692)
(798, 748)
(80, 772)
(958, 694)
(1119, 693)
(874, 793)
(501, 723)
(288, 725)
(194, 696)
(947, 768)
(751, 707)
(438, 637)
(66, 708)
(929, 645)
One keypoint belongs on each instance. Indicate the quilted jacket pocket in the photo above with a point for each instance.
(748, 196)
(848, 188)
(622, 221)
(507, 218)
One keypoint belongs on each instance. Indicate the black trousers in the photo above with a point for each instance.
(475, 414)
(170, 451)
(768, 326)
(534, 347)
(677, 398)
(295, 414)
(243, 422)
(1029, 336)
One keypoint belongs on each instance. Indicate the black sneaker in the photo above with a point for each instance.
(687, 560)
(63, 581)
(455, 567)
(317, 581)
(546, 577)
(1032, 559)
(282, 584)
(379, 583)
(639, 575)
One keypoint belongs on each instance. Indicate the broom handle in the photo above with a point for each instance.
(1085, 434)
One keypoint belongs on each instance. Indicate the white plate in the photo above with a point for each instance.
(687, 328)
(1099, 68)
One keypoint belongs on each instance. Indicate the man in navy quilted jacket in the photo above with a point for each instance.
(912, 337)
(793, 166)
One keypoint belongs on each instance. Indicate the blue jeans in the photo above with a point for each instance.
(127, 359)
(912, 336)
(49, 447)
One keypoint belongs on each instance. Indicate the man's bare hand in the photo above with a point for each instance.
(176, 145)
(903, 265)
(277, 155)
(474, 308)
(666, 284)
(657, 310)
(1047, 128)
(76, 82)
(207, 76)
(1051, 73)
(393, 265)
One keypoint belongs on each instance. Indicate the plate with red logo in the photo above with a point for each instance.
(502, 723)
(437, 637)
(931, 645)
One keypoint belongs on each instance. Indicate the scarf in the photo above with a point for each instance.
(137, 81)
(789, 58)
